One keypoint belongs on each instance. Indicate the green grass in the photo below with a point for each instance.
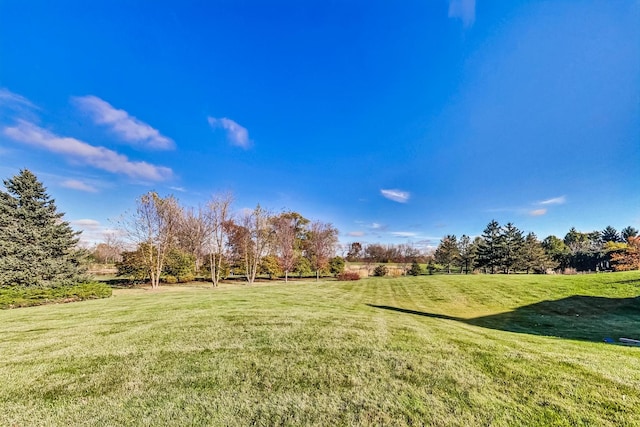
(434, 350)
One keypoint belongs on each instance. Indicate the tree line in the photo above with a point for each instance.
(172, 242)
(506, 249)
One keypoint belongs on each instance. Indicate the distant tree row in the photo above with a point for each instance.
(507, 249)
(174, 242)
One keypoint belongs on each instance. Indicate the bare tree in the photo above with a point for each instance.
(218, 219)
(152, 227)
(192, 234)
(255, 241)
(288, 230)
(407, 254)
(321, 244)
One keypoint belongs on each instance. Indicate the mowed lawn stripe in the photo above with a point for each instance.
(434, 350)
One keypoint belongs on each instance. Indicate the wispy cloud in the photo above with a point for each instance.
(465, 10)
(237, 135)
(396, 195)
(87, 223)
(405, 234)
(93, 231)
(554, 201)
(356, 233)
(75, 184)
(99, 157)
(538, 212)
(127, 127)
(13, 100)
(180, 189)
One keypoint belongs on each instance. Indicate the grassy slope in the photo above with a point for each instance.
(432, 350)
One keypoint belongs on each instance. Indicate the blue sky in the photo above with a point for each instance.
(396, 121)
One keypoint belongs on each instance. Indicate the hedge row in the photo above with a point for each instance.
(13, 297)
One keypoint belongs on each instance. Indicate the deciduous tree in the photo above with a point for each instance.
(255, 240)
(321, 242)
(289, 231)
(153, 227)
(219, 226)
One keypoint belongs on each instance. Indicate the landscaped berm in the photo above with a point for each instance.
(432, 350)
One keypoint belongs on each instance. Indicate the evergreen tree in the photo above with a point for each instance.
(534, 256)
(467, 250)
(415, 269)
(490, 248)
(447, 252)
(37, 248)
(512, 242)
(610, 234)
(628, 232)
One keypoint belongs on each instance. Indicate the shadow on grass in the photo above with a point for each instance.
(576, 317)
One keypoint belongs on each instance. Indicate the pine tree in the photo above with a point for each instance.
(37, 248)
(490, 248)
(512, 240)
(534, 257)
(447, 252)
(468, 251)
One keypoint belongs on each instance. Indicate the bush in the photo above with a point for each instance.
(348, 275)
(12, 297)
(380, 271)
(415, 269)
(336, 265)
(185, 278)
(170, 279)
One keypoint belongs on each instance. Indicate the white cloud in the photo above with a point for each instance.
(93, 232)
(121, 123)
(465, 10)
(356, 233)
(554, 201)
(180, 189)
(99, 157)
(403, 234)
(74, 184)
(396, 195)
(538, 212)
(86, 223)
(237, 135)
(13, 100)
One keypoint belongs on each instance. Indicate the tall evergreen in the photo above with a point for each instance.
(468, 251)
(447, 252)
(490, 249)
(610, 234)
(534, 257)
(37, 248)
(512, 242)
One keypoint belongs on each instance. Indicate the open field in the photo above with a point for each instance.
(434, 350)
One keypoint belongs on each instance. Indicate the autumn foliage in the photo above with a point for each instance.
(629, 258)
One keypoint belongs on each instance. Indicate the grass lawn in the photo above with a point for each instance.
(433, 350)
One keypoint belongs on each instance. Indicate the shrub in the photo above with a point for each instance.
(380, 271)
(185, 278)
(415, 269)
(348, 275)
(170, 279)
(336, 265)
(12, 297)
